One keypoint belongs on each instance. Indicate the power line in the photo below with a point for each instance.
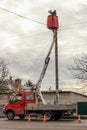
(69, 28)
(85, 22)
(22, 16)
(40, 41)
(23, 46)
(65, 26)
(34, 62)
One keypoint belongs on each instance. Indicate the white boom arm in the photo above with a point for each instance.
(47, 59)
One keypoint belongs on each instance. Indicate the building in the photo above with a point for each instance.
(65, 97)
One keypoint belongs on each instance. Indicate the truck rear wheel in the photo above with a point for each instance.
(10, 115)
(48, 115)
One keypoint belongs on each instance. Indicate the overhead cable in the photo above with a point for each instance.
(22, 16)
(85, 22)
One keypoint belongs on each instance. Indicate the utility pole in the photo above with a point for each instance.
(56, 67)
(52, 24)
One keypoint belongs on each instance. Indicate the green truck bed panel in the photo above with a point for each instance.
(82, 108)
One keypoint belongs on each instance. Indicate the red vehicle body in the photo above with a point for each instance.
(16, 107)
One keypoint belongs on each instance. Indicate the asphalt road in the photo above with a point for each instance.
(64, 124)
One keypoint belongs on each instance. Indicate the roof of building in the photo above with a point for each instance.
(54, 91)
(6, 91)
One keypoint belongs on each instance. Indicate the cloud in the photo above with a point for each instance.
(25, 43)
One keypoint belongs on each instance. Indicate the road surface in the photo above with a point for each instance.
(64, 124)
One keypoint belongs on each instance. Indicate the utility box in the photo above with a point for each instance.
(52, 22)
(82, 108)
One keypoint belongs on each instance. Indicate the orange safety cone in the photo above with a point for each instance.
(29, 119)
(79, 119)
(44, 120)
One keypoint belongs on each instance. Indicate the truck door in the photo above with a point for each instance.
(18, 105)
(30, 98)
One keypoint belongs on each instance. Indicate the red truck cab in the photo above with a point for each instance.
(16, 106)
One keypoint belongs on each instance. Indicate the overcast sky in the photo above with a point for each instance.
(24, 43)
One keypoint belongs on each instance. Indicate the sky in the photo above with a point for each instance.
(25, 41)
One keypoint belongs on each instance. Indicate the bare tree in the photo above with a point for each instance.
(4, 72)
(79, 68)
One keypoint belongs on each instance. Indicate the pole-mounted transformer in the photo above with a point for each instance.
(53, 24)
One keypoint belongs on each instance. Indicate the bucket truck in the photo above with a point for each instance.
(25, 103)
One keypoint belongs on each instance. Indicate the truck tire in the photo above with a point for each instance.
(10, 115)
(48, 115)
(21, 117)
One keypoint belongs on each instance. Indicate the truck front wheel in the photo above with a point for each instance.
(10, 115)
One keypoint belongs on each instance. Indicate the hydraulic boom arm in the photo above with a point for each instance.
(47, 59)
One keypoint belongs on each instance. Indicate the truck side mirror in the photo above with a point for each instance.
(10, 101)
